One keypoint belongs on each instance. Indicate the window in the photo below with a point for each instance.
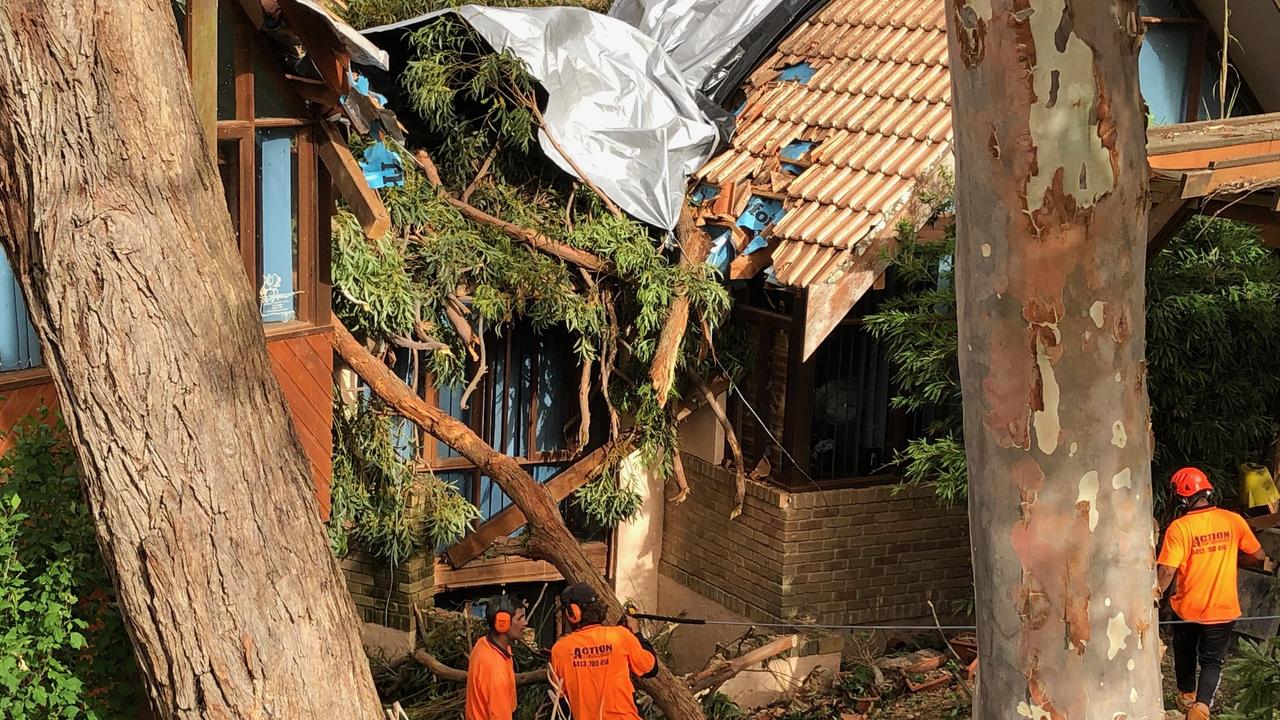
(1179, 67)
(832, 413)
(19, 348)
(270, 174)
(526, 406)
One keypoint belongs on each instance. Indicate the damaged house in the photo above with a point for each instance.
(841, 140)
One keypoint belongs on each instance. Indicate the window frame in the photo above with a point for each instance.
(312, 307)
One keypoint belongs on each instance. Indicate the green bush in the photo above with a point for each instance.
(64, 652)
(1213, 333)
(1256, 672)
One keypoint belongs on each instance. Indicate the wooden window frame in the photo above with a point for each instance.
(312, 306)
(481, 417)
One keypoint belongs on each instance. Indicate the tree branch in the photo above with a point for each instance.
(739, 464)
(549, 539)
(694, 248)
(542, 123)
(534, 239)
(717, 675)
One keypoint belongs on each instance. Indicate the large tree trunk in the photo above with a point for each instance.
(1051, 212)
(112, 213)
(548, 538)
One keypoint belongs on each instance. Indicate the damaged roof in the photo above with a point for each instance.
(841, 123)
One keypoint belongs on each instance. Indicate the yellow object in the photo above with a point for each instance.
(1199, 711)
(1257, 487)
(1185, 701)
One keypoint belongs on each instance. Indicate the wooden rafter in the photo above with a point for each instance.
(349, 178)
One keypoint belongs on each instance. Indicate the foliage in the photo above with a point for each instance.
(718, 706)
(609, 500)
(63, 648)
(371, 13)
(1256, 672)
(1213, 336)
(381, 500)
(440, 277)
(1213, 331)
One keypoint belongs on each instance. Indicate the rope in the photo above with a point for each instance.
(821, 626)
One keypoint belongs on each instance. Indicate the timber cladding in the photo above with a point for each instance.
(856, 555)
(303, 366)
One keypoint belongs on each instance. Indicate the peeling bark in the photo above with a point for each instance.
(114, 220)
(1051, 252)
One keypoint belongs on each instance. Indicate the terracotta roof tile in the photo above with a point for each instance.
(879, 106)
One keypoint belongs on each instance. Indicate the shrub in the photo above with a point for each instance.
(64, 652)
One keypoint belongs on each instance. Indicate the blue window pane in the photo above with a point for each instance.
(449, 400)
(492, 499)
(511, 399)
(461, 480)
(555, 401)
(19, 348)
(543, 473)
(277, 224)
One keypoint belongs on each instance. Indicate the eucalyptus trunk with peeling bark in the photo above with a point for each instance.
(113, 217)
(1051, 195)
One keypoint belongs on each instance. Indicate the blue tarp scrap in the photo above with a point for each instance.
(703, 193)
(360, 84)
(381, 167)
(760, 213)
(722, 250)
(801, 72)
(757, 243)
(795, 150)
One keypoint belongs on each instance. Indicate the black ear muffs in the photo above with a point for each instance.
(502, 622)
(573, 613)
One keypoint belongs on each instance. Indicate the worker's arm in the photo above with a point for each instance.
(1164, 577)
(1251, 552)
(641, 657)
(1259, 560)
(1173, 551)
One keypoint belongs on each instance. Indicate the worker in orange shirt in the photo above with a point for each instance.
(594, 662)
(1201, 548)
(491, 676)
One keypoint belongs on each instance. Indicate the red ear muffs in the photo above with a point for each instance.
(574, 613)
(502, 622)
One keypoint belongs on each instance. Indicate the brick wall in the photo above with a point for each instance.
(841, 556)
(387, 597)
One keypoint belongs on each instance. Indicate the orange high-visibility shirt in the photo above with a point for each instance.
(595, 665)
(491, 683)
(1203, 546)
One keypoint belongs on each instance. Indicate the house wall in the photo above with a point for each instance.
(856, 555)
(303, 365)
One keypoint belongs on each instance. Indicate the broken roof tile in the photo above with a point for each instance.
(878, 105)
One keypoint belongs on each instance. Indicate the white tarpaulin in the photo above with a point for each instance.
(616, 102)
(697, 34)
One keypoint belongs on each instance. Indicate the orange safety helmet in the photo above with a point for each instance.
(1190, 481)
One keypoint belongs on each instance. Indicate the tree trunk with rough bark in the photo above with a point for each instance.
(113, 217)
(1051, 211)
(548, 538)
